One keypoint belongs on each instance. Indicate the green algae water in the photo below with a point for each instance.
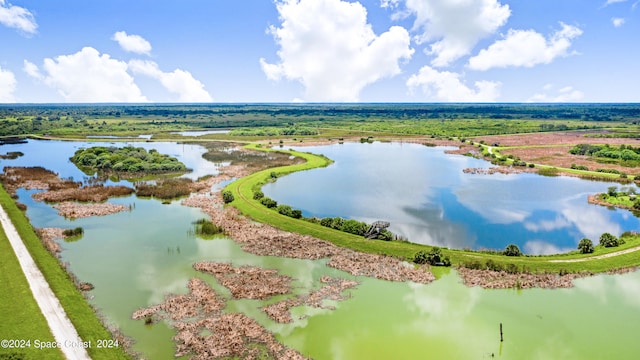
(446, 319)
(134, 258)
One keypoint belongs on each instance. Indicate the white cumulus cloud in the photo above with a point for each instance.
(525, 48)
(17, 17)
(179, 82)
(617, 22)
(32, 70)
(328, 46)
(88, 76)
(609, 2)
(453, 27)
(565, 94)
(132, 43)
(447, 86)
(7, 86)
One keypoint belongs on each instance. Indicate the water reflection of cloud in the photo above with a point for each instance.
(612, 288)
(507, 206)
(540, 247)
(628, 285)
(589, 221)
(547, 225)
(457, 302)
(152, 279)
(430, 227)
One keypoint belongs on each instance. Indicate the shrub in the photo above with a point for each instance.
(579, 167)
(258, 195)
(385, 235)
(512, 269)
(284, 210)
(585, 246)
(512, 250)
(268, 202)
(326, 222)
(492, 265)
(473, 265)
(354, 227)
(296, 214)
(337, 223)
(608, 240)
(433, 257)
(73, 232)
(227, 197)
(206, 227)
(421, 257)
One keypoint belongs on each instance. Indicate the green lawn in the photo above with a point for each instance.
(78, 310)
(20, 314)
(243, 189)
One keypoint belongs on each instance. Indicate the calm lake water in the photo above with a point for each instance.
(135, 258)
(427, 198)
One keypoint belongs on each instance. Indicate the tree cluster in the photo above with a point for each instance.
(126, 159)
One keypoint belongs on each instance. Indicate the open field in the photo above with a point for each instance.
(552, 149)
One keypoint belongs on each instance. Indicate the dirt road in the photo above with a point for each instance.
(617, 253)
(63, 331)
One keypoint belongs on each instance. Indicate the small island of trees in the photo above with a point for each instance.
(127, 159)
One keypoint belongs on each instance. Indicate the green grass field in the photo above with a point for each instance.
(75, 305)
(20, 314)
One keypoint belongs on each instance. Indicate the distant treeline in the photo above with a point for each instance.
(600, 112)
(18, 119)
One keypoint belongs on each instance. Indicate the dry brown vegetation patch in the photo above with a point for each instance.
(93, 193)
(262, 239)
(168, 188)
(553, 148)
(489, 279)
(379, 267)
(247, 282)
(494, 170)
(72, 210)
(34, 178)
(48, 236)
(567, 138)
(232, 336)
(205, 332)
(331, 290)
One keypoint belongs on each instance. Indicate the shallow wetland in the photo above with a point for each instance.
(138, 259)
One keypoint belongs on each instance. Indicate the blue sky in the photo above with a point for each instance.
(319, 51)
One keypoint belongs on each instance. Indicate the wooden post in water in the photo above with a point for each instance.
(501, 340)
